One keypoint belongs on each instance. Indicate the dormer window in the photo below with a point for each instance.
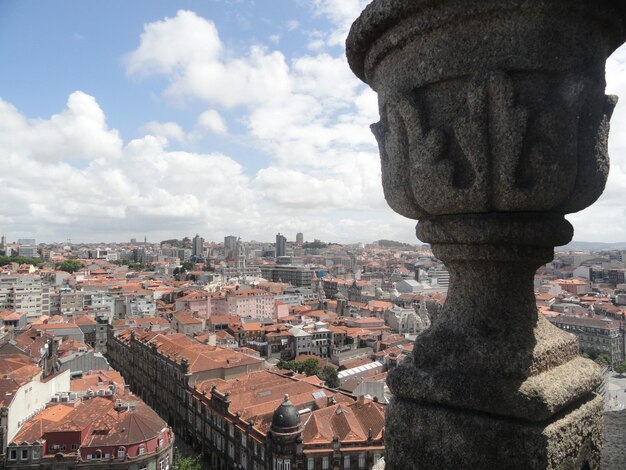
(121, 453)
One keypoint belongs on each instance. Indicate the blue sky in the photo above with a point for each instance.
(125, 118)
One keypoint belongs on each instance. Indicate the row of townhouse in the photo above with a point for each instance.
(236, 414)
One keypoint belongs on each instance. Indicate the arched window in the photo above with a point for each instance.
(97, 455)
(142, 450)
(121, 453)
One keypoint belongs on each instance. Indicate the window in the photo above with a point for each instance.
(310, 463)
(74, 446)
(361, 460)
(24, 454)
(142, 450)
(243, 440)
(346, 461)
(231, 450)
(36, 453)
(244, 460)
(121, 453)
(325, 463)
(287, 465)
(97, 455)
(13, 454)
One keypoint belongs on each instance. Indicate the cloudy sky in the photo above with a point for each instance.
(124, 118)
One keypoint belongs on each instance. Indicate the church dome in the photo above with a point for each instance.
(286, 418)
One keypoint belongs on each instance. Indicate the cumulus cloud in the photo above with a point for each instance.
(79, 132)
(168, 130)
(212, 121)
(309, 114)
(341, 14)
(141, 184)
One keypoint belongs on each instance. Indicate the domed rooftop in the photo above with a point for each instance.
(286, 418)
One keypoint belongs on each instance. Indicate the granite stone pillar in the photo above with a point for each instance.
(494, 125)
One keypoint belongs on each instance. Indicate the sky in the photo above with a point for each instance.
(121, 119)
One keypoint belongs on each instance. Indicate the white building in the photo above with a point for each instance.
(25, 393)
(26, 294)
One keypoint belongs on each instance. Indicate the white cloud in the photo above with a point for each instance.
(341, 13)
(212, 121)
(145, 187)
(167, 45)
(79, 132)
(169, 130)
(292, 25)
(187, 49)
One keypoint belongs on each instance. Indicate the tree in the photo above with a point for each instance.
(188, 265)
(330, 376)
(186, 463)
(70, 266)
(307, 367)
(603, 359)
(621, 369)
(310, 366)
(4, 260)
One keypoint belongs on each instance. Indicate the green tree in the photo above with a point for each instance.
(330, 376)
(188, 265)
(186, 463)
(603, 359)
(310, 366)
(621, 369)
(307, 367)
(4, 260)
(70, 266)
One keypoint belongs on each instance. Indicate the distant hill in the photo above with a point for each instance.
(591, 246)
(395, 244)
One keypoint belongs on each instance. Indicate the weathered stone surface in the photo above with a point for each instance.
(570, 440)
(493, 125)
(489, 105)
(536, 398)
(614, 449)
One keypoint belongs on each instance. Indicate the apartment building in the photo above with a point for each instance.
(596, 335)
(103, 431)
(26, 294)
(298, 276)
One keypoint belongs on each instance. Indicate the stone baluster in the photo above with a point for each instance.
(493, 126)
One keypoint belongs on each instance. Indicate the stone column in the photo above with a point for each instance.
(494, 125)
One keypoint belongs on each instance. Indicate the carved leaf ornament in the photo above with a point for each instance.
(518, 160)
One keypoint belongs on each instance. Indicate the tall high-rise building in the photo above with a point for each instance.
(299, 238)
(197, 246)
(281, 245)
(240, 255)
(230, 242)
